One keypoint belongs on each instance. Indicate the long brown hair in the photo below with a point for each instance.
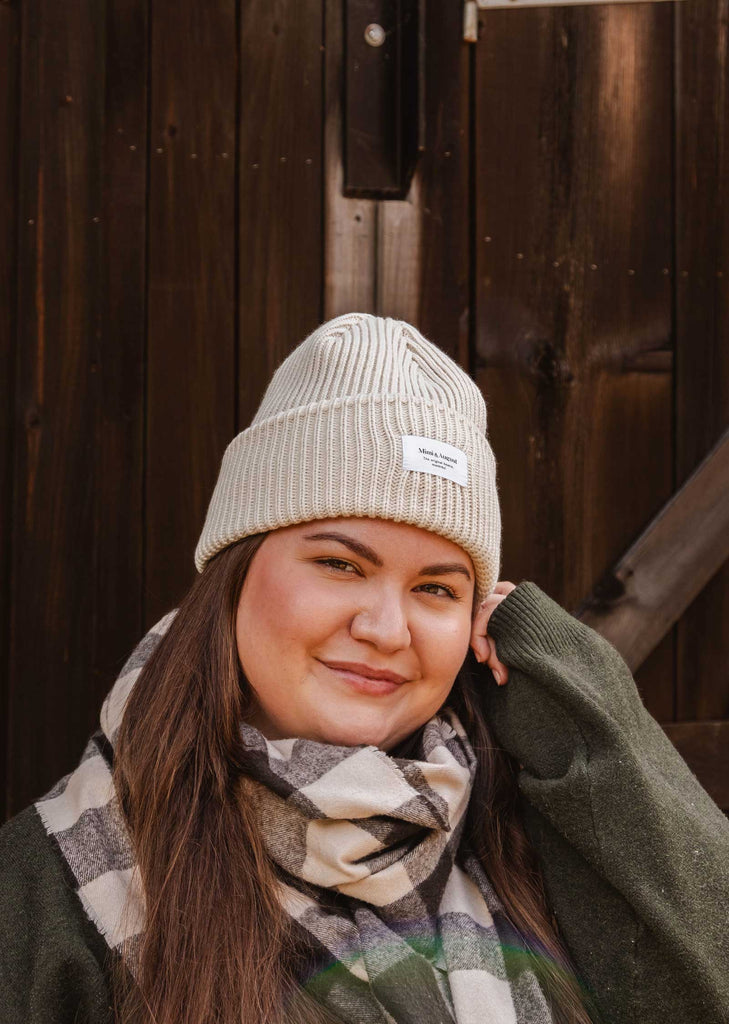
(217, 946)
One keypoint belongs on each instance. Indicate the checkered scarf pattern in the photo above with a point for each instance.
(402, 924)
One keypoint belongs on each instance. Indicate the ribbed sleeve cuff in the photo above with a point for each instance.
(529, 622)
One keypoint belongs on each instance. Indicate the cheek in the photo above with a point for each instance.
(443, 649)
(281, 619)
(297, 613)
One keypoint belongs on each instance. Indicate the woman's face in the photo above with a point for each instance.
(328, 605)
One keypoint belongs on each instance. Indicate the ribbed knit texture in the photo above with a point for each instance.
(326, 441)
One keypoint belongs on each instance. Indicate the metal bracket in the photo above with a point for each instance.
(384, 91)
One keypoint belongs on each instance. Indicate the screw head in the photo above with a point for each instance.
(374, 35)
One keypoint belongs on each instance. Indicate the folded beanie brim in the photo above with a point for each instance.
(345, 458)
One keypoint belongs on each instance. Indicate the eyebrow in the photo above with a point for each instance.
(438, 569)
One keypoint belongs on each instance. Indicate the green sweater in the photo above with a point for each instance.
(634, 852)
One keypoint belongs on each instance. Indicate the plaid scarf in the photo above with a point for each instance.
(402, 924)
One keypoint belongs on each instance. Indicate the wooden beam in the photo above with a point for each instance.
(638, 601)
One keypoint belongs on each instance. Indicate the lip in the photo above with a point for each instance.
(364, 678)
(365, 670)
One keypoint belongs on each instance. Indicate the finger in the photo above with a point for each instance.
(484, 611)
(484, 649)
(499, 671)
(481, 646)
(479, 626)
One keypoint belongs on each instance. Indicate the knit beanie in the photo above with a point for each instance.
(364, 418)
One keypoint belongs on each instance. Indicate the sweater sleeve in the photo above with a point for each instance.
(52, 959)
(634, 852)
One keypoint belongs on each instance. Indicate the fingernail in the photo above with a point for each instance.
(497, 677)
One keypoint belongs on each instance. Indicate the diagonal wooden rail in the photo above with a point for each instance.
(638, 601)
(646, 592)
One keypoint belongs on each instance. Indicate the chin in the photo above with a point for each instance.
(357, 733)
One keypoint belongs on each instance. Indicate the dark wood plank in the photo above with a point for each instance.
(422, 267)
(640, 599)
(573, 249)
(191, 283)
(705, 748)
(350, 225)
(702, 319)
(119, 440)
(9, 41)
(54, 560)
(408, 258)
(280, 279)
(372, 248)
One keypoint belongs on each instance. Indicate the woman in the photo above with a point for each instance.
(307, 801)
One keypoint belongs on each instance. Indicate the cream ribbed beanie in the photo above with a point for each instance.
(364, 418)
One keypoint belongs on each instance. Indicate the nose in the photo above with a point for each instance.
(383, 623)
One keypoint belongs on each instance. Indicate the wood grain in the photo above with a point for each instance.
(9, 41)
(423, 240)
(444, 186)
(191, 385)
(119, 368)
(654, 582)
(573, 250)
(280, 187)
(58, 399)
(155, 272)
(382, 96)
(407, 258)
(350, 224)
(702, 320)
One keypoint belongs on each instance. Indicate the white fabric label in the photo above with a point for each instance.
(425, 455)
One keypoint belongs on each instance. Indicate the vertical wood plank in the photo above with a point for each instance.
(407, 258)
(191, 283)
(423, 242)
(399, 255)
(9, 66)
(280, 187)
(350, 233)
(573, 288)
(119, 369)
(56, 413)
(702, 319)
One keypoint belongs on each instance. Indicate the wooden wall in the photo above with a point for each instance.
(170, 202)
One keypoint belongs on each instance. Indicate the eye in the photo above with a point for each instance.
(338, 564)
(445, 591)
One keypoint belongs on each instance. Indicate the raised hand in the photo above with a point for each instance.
(483, 646)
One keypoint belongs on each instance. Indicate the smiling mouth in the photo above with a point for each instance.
(365, 684)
